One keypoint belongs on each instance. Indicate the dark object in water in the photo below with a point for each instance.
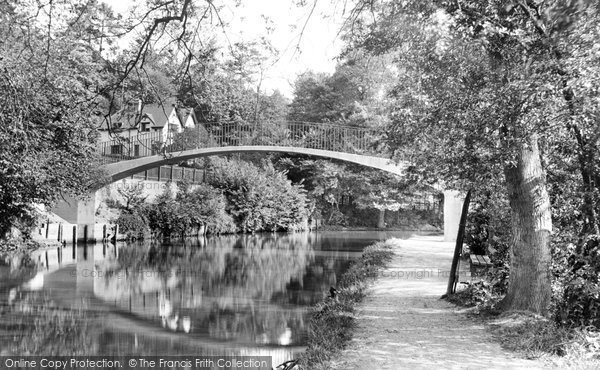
(332, 292)
(288, 365)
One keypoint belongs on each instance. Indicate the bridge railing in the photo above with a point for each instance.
(121, 148)
(338, 138)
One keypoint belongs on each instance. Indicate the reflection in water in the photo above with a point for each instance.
(233, 295)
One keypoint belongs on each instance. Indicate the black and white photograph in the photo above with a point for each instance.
(299, 184)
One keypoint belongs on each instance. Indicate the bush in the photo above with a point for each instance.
(162, 215)
(203, 206)
(536, 337)
(577, 271)
(260, 198)
(488, 226)
(483, 294)
(132, 224)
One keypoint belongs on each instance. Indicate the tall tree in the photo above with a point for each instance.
(477, 89)
(50, 82)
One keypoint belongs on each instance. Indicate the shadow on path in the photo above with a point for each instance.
(402, 324)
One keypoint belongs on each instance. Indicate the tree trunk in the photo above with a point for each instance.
(529, 280)
(381, 221)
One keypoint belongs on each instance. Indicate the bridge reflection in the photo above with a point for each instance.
(236, 295)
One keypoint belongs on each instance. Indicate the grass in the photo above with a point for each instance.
(332, 320)
(536, 337)
(533, 336)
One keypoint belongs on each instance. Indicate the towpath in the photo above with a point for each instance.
(403, 323)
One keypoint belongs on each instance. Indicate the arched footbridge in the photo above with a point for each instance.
(128, 155)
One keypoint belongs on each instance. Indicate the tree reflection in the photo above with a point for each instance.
(242, 292)
(33, 324)
(250, 288)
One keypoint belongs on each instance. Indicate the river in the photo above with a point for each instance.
(230, 295)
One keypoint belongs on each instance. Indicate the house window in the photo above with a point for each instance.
(116, 149)
(146, 126)
(136, 150)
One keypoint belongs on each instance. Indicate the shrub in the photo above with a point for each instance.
(577, 269)
(203, 206)
(132, 224)
(488, 226)
(260, 198)
(162, 215)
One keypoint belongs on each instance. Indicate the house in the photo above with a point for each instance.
(167, 117)
(139, 130)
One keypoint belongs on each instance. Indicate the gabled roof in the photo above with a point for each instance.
(123, 119)
(157, 114)
(184, 114)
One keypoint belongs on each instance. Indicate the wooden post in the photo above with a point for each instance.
(85, 233)
(453, 278)
(74, 246)
(116, 230)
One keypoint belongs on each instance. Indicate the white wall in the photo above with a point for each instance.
(150, 188)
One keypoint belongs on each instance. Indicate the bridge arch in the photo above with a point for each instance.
(123, 169)
(344, 143)
(120, 170)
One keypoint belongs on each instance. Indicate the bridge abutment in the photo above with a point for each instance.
(453, 202)
(83, 213)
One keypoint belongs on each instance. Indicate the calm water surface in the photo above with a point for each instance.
(230, 295)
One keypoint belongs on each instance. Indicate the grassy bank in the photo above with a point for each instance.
(14, 246)
(533, 336)
(332, 320)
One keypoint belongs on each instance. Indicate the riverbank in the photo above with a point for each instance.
(332, 320)
(14, 251)
(425, 228)
(403, 323)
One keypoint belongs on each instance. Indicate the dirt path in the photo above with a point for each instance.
(402, 324)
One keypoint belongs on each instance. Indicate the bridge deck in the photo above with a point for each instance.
(125, 156)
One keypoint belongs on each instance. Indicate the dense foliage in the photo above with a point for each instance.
(578, 283)
(484, 90)
(239, 196)
(49, 88)
(261, 198)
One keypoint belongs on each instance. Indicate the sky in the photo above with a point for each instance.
(316, 50)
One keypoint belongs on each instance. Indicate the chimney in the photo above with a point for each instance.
(139, 112)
